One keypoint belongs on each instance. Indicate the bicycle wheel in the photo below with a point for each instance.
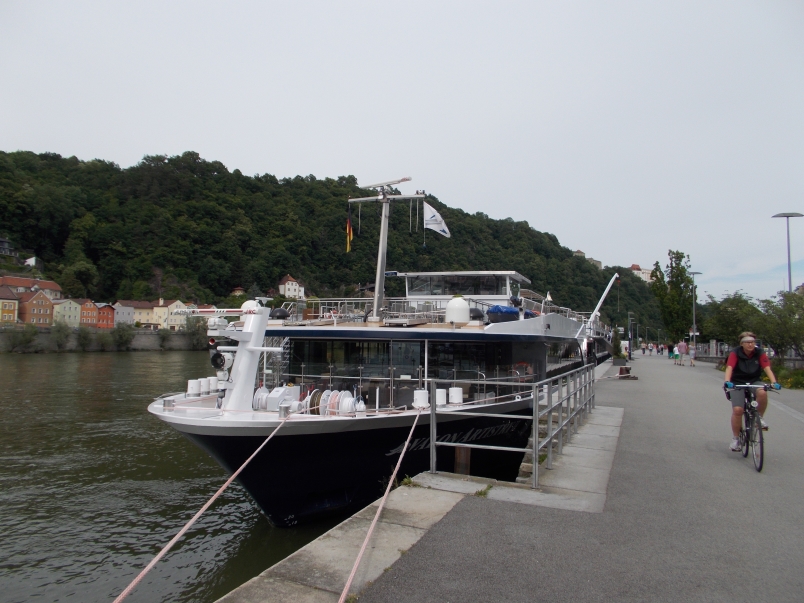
(757, 443)
(745, 434)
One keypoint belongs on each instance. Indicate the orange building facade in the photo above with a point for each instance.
(89, 312)
(36, 309)
(105, 316)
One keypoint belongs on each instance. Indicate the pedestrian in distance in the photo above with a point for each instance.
(692, 352)
(644, 346)
(675, 354)
(650, 349)
(682, 350)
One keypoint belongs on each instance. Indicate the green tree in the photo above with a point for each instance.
(196, 330)
(123, 335)
(673, 291)
(616, 343)
(60, 334)
(780, 324)
(105, 341)
(727, 318)
(22, 340)
(83, 338)
(81, 278)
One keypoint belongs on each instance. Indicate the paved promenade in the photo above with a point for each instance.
(684, 519)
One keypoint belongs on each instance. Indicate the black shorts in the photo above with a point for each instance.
(738, 396)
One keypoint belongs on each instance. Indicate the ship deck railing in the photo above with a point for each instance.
(397, 386)
(560, 405)
(430, 311)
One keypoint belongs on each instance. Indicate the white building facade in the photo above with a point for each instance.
(67, 311)
(290, 287)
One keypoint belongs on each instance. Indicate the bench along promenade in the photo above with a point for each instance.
(647, 503)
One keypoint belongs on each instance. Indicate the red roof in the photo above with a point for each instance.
(19, 281)
(29, 295)
(287, 278)
(165, 303)
(130, 303)
(206, 307)
(7, 293)
(635, 267)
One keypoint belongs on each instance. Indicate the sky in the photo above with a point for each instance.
(624, 128)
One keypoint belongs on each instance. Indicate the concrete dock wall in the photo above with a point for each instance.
(143, 341)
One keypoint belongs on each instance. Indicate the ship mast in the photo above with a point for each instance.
(385, 197)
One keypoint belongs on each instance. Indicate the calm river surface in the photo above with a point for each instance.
(92, 486)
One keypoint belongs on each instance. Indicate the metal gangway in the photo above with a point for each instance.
(560, 404)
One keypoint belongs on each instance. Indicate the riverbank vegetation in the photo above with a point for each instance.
(186, 228)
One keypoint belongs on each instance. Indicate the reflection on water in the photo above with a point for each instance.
(92, 486)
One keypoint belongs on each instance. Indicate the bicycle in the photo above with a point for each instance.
(751, 433)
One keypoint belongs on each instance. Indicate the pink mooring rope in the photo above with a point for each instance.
(189, 524)
(345, 592)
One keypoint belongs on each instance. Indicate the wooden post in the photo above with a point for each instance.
(463, 457)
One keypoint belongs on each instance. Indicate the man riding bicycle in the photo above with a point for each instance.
(745, 366)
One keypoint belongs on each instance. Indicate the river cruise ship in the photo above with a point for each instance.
(340, 382)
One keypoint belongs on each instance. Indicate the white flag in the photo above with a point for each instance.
(548, 298)
(434, 221)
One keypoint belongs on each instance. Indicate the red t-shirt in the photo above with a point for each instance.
(763, 360)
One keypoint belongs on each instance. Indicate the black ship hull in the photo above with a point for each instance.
(297, 479)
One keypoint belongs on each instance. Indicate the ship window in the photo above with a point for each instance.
(457, 285)
(342, 358)
(419, 285)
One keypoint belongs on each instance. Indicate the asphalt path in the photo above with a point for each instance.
(685, 518)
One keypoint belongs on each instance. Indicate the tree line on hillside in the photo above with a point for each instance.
(185, 228)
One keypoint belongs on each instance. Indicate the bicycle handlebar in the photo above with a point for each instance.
(764, 386)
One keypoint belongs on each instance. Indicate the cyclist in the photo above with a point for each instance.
(745, 366)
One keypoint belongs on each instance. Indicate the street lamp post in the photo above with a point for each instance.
(787, 216)
(694, 327)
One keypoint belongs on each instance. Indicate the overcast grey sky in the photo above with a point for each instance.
(624, 128)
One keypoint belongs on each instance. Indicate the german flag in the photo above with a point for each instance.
(350, 234)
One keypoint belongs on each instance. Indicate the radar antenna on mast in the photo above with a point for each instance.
(383, 196)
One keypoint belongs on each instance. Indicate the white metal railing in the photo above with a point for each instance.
(433, 311)
(562, 402)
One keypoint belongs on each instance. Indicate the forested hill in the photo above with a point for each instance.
(184, 227)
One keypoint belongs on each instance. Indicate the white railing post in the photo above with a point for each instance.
(549, 464)
(535, 439)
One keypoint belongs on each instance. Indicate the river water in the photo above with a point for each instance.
(92, 486)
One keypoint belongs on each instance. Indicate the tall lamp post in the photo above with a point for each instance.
(694, 326)
(787, 216)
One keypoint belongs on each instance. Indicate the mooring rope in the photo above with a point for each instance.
(345, 592)
(190, 523)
